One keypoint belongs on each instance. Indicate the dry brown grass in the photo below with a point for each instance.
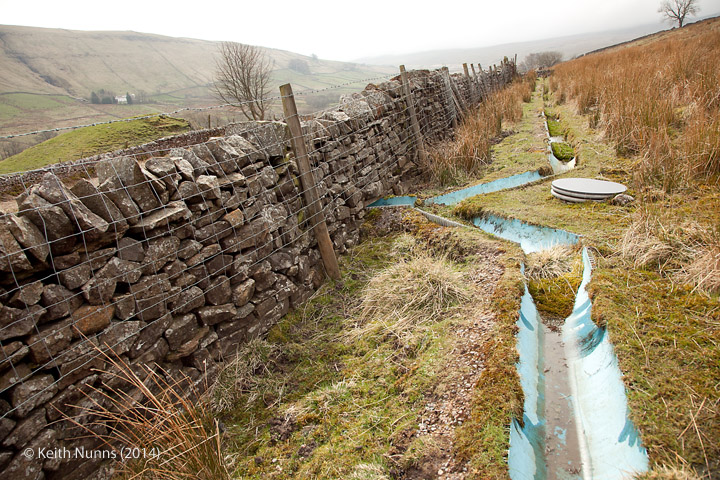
(659, 100)
(245, 377)
(454, 162)
(400, 301)
(163, 416)
(681, 248)
(549, 263)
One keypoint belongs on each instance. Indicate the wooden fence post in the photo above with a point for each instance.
(471, 84)
(307, 181)
(451, 94)
(413, 116)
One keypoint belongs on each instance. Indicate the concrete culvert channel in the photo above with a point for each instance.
(575, 422)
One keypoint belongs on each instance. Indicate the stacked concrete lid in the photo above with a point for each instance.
(578, 190)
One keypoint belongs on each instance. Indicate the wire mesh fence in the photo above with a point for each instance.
(170, 257)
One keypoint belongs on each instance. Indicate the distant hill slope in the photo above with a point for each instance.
(42, 60)
(48, 74)
(569, 46)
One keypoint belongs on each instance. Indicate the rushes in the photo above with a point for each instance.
(683, 249)
(454, 162)
(658, 100)
(177, 432)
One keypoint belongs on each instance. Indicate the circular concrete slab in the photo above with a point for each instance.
(588, 186)
(582, 196)
(567, 198)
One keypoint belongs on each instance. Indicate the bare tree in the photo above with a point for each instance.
(242, 76)
(540, 60)
(677, 10)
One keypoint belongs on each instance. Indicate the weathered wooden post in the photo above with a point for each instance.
(451, 94)
(473, 93)
(413, 116)
(307, 181)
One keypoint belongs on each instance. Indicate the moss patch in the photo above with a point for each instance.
(562, 151)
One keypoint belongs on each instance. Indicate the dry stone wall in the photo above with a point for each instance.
(172, 261)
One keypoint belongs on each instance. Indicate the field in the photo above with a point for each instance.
(89, 141)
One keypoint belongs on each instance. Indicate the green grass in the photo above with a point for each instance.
(90, 141)
(555, 128)
(337, 404)
(666, 339)
(665, 334)
(562, 151)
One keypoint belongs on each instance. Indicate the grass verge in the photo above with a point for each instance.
(88, 141)
(343, 381)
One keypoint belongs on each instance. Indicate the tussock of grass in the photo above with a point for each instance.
(407, 296)
(549, 263)
(178, 429)
(245, 377)
(682, 248)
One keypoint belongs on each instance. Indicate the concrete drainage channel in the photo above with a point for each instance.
(575, 416)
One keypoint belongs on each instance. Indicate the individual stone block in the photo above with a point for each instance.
(210, 315)
(19, 322)
(150, 285)
(243, 292)
(12, 354)
(160, 252)
(28, 235)
(149, 335)
(101, 205)
(32, 392)
(121, 197)
(127, 170)
(26, 429)
(12, 255)
(235, 218)
(181, 330)
(58, 301)
(76, 276)
(89, 319)
(26, 295)
(50, 340)
(225, 155)
(120, 336)
(219, 291)
(91, 226)
(164, 168)
(189, 300)
(99, 290)
(163, 216)
(131, 250)
(208, 187)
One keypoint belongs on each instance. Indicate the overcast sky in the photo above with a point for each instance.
(341, 30)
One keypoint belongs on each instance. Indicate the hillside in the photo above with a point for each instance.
(570, 46)
(49, 74)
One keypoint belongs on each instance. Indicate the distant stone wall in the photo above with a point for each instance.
(173, 259)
